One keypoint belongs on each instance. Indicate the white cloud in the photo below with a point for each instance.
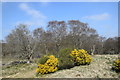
(32, 12)
(37, 18)
(103, 16)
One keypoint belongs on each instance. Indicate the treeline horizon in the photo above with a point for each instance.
(73, 34)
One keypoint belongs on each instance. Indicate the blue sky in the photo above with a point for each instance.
(102, 16)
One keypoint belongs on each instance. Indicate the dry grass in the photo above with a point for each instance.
(19, 71)
(100, 67)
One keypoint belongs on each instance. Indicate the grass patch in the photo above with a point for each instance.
(99, 68)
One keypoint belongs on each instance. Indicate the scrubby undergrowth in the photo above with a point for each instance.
(99, 67)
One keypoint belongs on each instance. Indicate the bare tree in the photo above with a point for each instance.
(20, 41)
(56, 36)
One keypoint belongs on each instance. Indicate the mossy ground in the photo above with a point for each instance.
(99, 68)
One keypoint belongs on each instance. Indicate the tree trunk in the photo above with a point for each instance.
(93, 50)
(119, 55)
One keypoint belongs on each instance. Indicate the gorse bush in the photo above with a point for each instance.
(43, 59)
(50, 65)
(67, 57)
(80, 57)
(65, 60)
(116, 65)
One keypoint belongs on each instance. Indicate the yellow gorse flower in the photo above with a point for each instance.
(49, 66)
(81, 56)
(116, 64)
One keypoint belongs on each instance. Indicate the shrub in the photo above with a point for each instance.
(65, 60)
(50, 65)
(116, 65)
(43, 59)
(80, 57)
